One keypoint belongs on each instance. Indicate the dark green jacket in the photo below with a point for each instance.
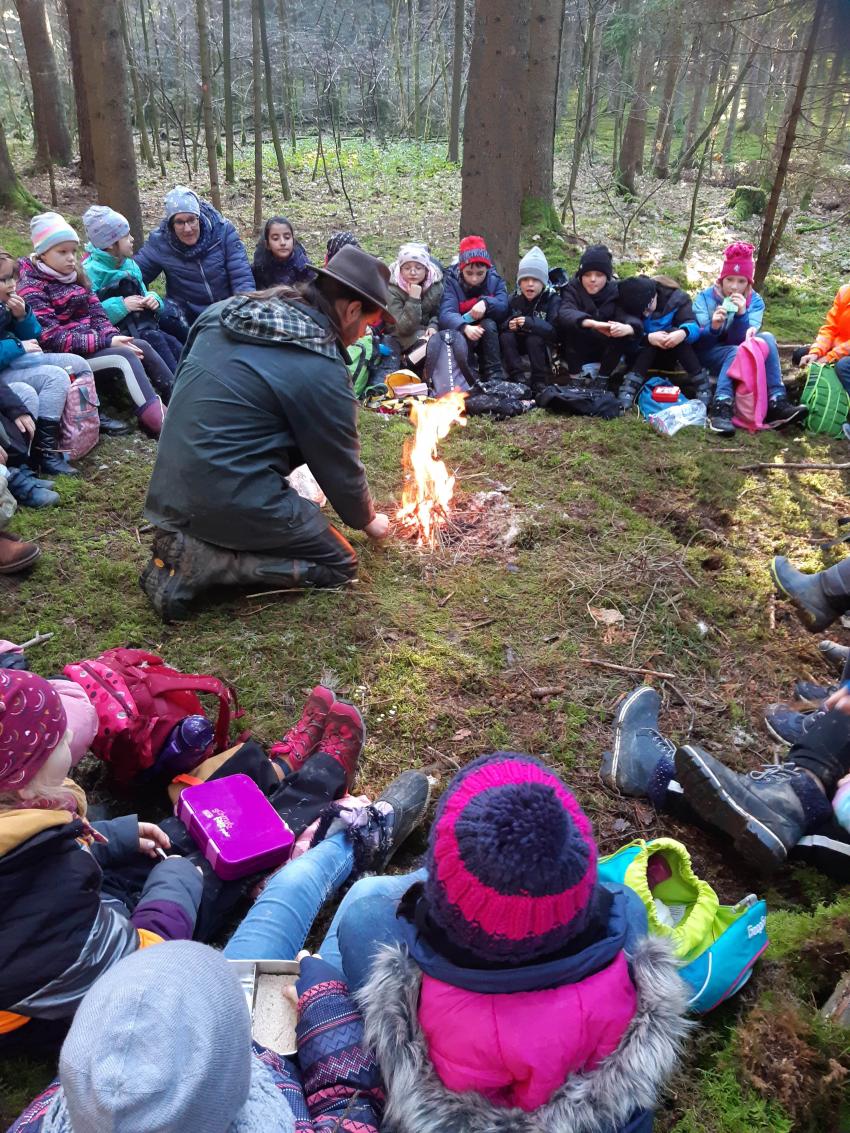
(259, 391)
(414, 316)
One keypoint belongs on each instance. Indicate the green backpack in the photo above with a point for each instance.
(827, 401)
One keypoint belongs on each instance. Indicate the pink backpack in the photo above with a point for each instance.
(748, 373)
(139, 699)
(79, 427)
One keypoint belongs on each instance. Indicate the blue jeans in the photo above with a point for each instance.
(365, 919)
(717, 360)
(842, 369)
(276, 926)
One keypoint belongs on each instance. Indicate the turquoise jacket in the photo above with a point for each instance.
(105, 272)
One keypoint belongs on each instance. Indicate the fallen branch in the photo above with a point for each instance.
(628, 669)
(37, 640)
(546, 691)
(804, 466)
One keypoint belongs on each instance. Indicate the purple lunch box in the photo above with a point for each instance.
(235, 826)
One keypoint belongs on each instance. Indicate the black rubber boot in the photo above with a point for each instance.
(629, 390)
(180, 568)
(702, 387)
(45, 450)
(112, 427)
(806, 591)
(761, 812)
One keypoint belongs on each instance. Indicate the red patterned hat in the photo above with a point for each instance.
(473, 250)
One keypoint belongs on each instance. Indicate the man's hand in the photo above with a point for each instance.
(26, 424)
(379, 527)
(17, 306)
(473, 333)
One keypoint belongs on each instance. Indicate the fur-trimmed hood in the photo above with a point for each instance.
(598, 1101)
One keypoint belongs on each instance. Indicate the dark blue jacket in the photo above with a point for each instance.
(455, 292)
(539, 314)
(13, 331)
(195, 277)
(672, 312)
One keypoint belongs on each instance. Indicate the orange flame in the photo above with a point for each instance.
(428, 489)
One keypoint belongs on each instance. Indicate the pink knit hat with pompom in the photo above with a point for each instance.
(738, 260)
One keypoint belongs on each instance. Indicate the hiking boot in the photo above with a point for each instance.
(343, 738)
(806, 592)
(112, 427)
(702, 387)
(26, 490)
(45, 450)
(638, 745)
(836, 654)
(781, 412)
(787, 725)
(629, 390)
(720, 420)
(303, 738)
(180, 568)
(15, 554)
(378, 830)
(814, 693)
(760, 811)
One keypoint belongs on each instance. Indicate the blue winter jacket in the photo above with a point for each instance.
(735, 330)
(672, 312)
(455, 292)
(195, 277)
(13, 332)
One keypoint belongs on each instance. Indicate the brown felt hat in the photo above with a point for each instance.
(357, 270)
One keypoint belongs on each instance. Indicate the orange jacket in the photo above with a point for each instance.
(833, 340)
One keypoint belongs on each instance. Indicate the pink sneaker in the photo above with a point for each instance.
(343, 739)
(301, 741)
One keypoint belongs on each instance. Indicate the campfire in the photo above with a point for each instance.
(428, 487)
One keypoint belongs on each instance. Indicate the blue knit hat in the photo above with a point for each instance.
(512, 861)
(104, 226)
(182, 199)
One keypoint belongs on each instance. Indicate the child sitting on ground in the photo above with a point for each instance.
(475, 302)
(279, 257)
(529, 329)
(117, 279)
(832, 345)
(416, 291)
(519, 992)
(592, 324)
(57, 871)
(669, 332)
(72, 319)
(728, 313)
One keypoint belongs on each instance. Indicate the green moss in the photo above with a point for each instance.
(733, 1108)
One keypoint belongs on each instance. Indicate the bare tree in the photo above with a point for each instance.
(206, 100)
(53, 140)
(457, 79)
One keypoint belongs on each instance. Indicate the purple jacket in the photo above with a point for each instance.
(71, 316)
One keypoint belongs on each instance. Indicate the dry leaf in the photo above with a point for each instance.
(463, 734)
(603, 616)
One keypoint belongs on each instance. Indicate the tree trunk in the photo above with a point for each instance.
(634, 135)
(832, 89)
(12, 193)
(78, 48)
(53, 141)
(267, 68)
(545, 28)
(494, 132)
(256, 57)
(206, 100)
(151, 95)
(138, 101)
(756, 104)
(770, 236)
(672, 74)
(227, 64)
(732, 126)
(413, 40)
(103, 76)
(288, 86)
(457, 80)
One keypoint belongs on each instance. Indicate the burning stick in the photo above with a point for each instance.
(428, 488)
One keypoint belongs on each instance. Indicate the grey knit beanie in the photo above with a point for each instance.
(533, 265)
(182, 199)
(104, 226)
(161, 1042)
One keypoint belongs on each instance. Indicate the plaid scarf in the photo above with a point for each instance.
(277, 320)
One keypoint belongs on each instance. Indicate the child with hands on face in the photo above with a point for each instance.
(416, 292)
(69, 888)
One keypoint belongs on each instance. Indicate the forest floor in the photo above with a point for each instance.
(576, 541)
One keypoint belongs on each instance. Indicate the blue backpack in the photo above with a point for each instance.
(647, 405)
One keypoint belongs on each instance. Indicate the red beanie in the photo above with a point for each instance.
(738, 260)
(473, 250)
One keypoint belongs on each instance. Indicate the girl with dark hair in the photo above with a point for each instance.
(279, 257)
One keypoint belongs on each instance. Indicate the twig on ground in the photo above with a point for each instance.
(545, 691)
(628, 668)
(802, 466)
(446, 599)
(771, 612)
(686, 703)
(37, 640)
